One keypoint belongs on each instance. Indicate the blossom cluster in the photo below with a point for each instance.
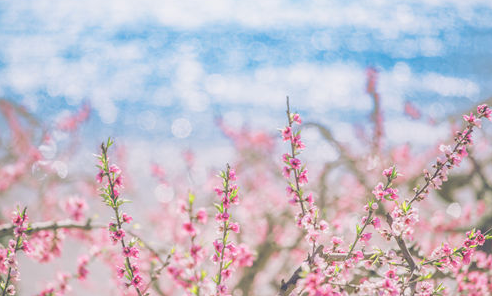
(185, 272)
(448, 258)
(308, 217)
(9, 265)
(404, 220)
(453, 156)
(225, 251)
(111, 196)
(381, 192)
(411, 254)
(61, 287)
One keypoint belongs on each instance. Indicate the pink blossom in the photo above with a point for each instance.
(189, 228)
(232, 175)
(388, 172)
(336, 241)
(472, 120)
(76, 207)
(485, 111)
(221, 217)
(226, 273)
(114, 169)
(376, 222)
(296, 118)
(137, 281)
(310, 199)
(312, 235)
(118, 181)
(82, 270)
(323, 225)
(99, 176)
(287, 133)
(303, 179)
(201, 216)
(391, 274)
(295, 163)
(218, 191)
(298, 144)
(117, 235)
(218, 246)
(126, 218)
(234, 227)
(286, 172)
(130, 252)
(365, 237)
(10, 290)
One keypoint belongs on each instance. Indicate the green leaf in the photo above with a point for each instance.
(233, 193)
(133, 241)
(357, 227)
(440, 287)
(216, 279)
(219, 208)
(227, 264)
(394, 173)
(194, 290)
(405, 207)
(227, 234)
(388, 198)
(191, 198)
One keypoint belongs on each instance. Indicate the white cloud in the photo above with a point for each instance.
(382, 16)
(35, 36)
(417, 133)
(319, 87)
(108, 78)
(449, 86)
(395, 85)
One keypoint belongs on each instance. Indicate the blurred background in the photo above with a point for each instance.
(180, 84)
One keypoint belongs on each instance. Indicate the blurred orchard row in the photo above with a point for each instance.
(379, 219)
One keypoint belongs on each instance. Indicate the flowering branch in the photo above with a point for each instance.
(111, 197)
(228, 195)
(186, 274)
(80, 274)
(453, 156)
(156, 273)
(406, 215)
(6, 229)
(20, 243)
(308, 217)
(294, 164)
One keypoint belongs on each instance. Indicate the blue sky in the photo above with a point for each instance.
(159, 61)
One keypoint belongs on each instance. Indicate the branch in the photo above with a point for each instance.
(7, 229)
(406, 254)
(287, 287)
